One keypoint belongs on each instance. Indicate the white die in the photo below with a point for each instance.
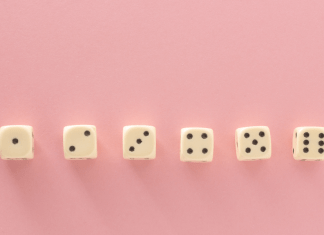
(253, 143)
(80, 142)
(17, 142)
(139, 142)
(308, 143)
(197, 144)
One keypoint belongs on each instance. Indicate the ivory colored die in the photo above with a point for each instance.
(197, 144)
(17, 142)
(139, 142)
(80, 142)
(253, 143)
(308, 143)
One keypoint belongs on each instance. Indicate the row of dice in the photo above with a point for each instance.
(139, 142)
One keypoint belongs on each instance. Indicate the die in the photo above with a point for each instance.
(139, 142)
(253, 143)
(308, 143)
(197, 144)
(17, 142)
(80, 142)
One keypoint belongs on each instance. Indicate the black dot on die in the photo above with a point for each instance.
(131, 149)
(189, 150)
(321, 143)
(263, 149)
(248, 150)
(189, 136)
(305, 150)
(293, 151)
(204, 135)
(306, 134)
(204, 150)
(139, 141)
(296, 134)
(254, 142)
(261, 134)
(306, 142)
(72, 148)
(320, 150)
(321, 135)
(246, 135)
(87, 133)
(15, 141)
(146, 133)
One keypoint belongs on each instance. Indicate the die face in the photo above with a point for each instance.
(139, 142)
(308, 143)
(80, 142)
(253, 143)
(17, 142)
(197, 144)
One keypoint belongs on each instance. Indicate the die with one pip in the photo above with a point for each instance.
(17, 142)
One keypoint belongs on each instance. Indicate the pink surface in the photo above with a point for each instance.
(171, 64)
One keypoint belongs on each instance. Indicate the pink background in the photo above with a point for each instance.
(171, 64)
